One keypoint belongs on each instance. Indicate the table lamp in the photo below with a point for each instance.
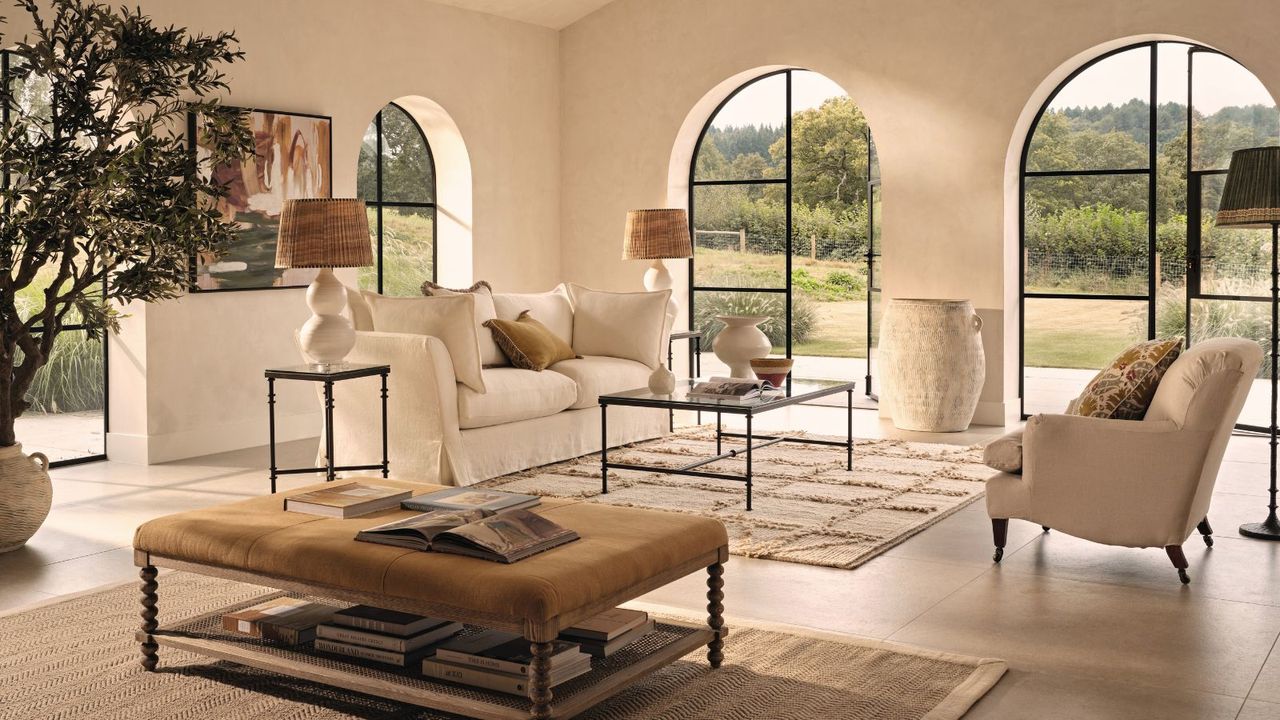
(325, 233)
(1251, 199)
(657, 235)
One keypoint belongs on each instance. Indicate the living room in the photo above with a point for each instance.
(943, 232)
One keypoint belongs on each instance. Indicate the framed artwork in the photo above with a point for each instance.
(293, 159)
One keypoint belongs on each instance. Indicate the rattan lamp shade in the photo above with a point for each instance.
(323, 233)
(1251, 196)
(657, 234)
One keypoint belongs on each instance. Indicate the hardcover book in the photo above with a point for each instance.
(607, 625)
(387, 622)
(392, 643)
(347, 501)
(503, 652)
(285, 620)
(603, 649)
(470, 499)
(499, 681)
(506, 537)
(390, 657)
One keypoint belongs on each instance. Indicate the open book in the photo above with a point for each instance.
(505, 537)
(733, 390)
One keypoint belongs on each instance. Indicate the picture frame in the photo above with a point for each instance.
(293, 159)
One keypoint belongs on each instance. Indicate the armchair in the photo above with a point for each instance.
(1138, 484)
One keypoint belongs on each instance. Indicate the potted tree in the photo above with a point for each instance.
(101, 201)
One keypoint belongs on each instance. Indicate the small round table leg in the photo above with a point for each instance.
(715, 613)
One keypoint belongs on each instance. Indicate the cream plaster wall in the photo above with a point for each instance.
(948, 87)
(186, 376)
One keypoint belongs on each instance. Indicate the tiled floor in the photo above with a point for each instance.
(1088, 631)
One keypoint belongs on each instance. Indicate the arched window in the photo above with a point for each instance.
(397, 179)
(1118, 200)
(782, 193)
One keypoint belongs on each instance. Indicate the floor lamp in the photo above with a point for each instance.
(1251, 199)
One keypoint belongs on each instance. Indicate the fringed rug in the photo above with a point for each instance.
(807, 508)
(77, 658)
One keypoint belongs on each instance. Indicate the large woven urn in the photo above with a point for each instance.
(25, 495)
(931, 363)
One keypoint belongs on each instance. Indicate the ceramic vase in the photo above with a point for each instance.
(25, 495)
(931, 362)
(740, 342)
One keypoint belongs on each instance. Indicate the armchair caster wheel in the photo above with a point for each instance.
(998, 555)
(1208, 540)
(1045, 528)
(1183, 576)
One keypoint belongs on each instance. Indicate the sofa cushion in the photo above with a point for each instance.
(625, 325)
(513, 394)
(597, 374)
(1004, 453)
(1124, 388)
(451, 319)
(549, 308)
(490, 354)
(528, 343)
(358, 308)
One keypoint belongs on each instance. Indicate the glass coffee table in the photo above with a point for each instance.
(799, 391)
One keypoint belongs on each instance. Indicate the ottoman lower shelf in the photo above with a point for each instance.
(204, 635)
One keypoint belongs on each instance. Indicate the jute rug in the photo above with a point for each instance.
(807, 507)
(77, 659)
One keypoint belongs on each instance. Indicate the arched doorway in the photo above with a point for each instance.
(1120, 178)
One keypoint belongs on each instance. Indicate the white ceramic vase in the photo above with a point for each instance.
(740, 342)
(25, 495)
(931, 363)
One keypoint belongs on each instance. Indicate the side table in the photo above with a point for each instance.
(327, 375)
(694, 337)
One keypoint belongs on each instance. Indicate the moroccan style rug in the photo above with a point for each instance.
(77, 658)
(807, 507)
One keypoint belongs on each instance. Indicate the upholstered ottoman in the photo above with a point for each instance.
(623, 553)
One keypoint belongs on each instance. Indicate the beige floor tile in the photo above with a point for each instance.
(875, 600)
(17, 596)
(1159, 638)
(84, 573)
(1258, 710)
(964, 538)
(1021, 694)
(1243, 478)
(1267, 685)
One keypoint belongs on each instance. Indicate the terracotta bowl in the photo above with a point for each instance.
(775, 370)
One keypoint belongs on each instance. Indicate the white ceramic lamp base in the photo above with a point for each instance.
(327, 336)
(658, 277)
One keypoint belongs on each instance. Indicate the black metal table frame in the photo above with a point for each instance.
(749, 411)
(694, 337)
(328, 378)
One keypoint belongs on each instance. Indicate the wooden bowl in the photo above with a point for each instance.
(775, 370)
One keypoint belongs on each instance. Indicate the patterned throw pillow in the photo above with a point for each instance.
(1124, 388)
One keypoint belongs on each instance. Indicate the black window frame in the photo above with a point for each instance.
(379, 204)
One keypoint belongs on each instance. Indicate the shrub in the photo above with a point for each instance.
(1214, 318)
(772, 305)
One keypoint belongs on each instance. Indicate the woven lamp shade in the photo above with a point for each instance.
(657, 235)
(1251, 196)
(323, 233)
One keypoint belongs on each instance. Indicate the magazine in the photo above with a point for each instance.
(739, 391)
(505, 537)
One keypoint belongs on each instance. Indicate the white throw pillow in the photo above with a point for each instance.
(451, 319)
(625, 325)
(490, 354)
(358, 307)
(550, 308)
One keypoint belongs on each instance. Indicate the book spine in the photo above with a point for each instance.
(371, 625)
(475, 677)
(484, 663)
(281, 634)
(357, 637)
(364, 653)
(241, 627)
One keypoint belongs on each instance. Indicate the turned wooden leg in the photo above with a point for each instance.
(540, 681)
(1206, 531)
(150, 654)
(1000, 534)
(1179, 561)
(715, 613)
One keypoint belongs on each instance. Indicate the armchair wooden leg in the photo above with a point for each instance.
(1044, 528)
(1206, 532)
(1179, 561)
(1000, 533)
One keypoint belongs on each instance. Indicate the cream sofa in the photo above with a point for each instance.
(442, 431)
(1140, 484)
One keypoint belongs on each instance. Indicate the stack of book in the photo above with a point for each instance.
(283, 620)
(500, 661)
(384, 636)
(609, 632)
(347, 501)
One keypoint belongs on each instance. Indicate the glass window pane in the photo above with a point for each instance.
(744, 140)
(1086, 234)
(707, 305)
(1100, 120)
(1231, 110)
(65, 420)
(369, 275)
(408, 239)
(367, 165)
(407, 174)
(739, 236)
(1244, 319)
(829, 282)
(1067, 341)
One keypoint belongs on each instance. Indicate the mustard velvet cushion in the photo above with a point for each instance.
(1124, 388)
(529, 344)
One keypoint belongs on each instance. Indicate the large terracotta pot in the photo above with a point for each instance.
(740, 342)
(25, 495)
(931, 363)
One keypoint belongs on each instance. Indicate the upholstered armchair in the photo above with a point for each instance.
(1144, 483)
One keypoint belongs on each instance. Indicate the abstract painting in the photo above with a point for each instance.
(293, 158)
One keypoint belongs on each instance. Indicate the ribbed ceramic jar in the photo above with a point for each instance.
(931, 363)
(25, 495)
